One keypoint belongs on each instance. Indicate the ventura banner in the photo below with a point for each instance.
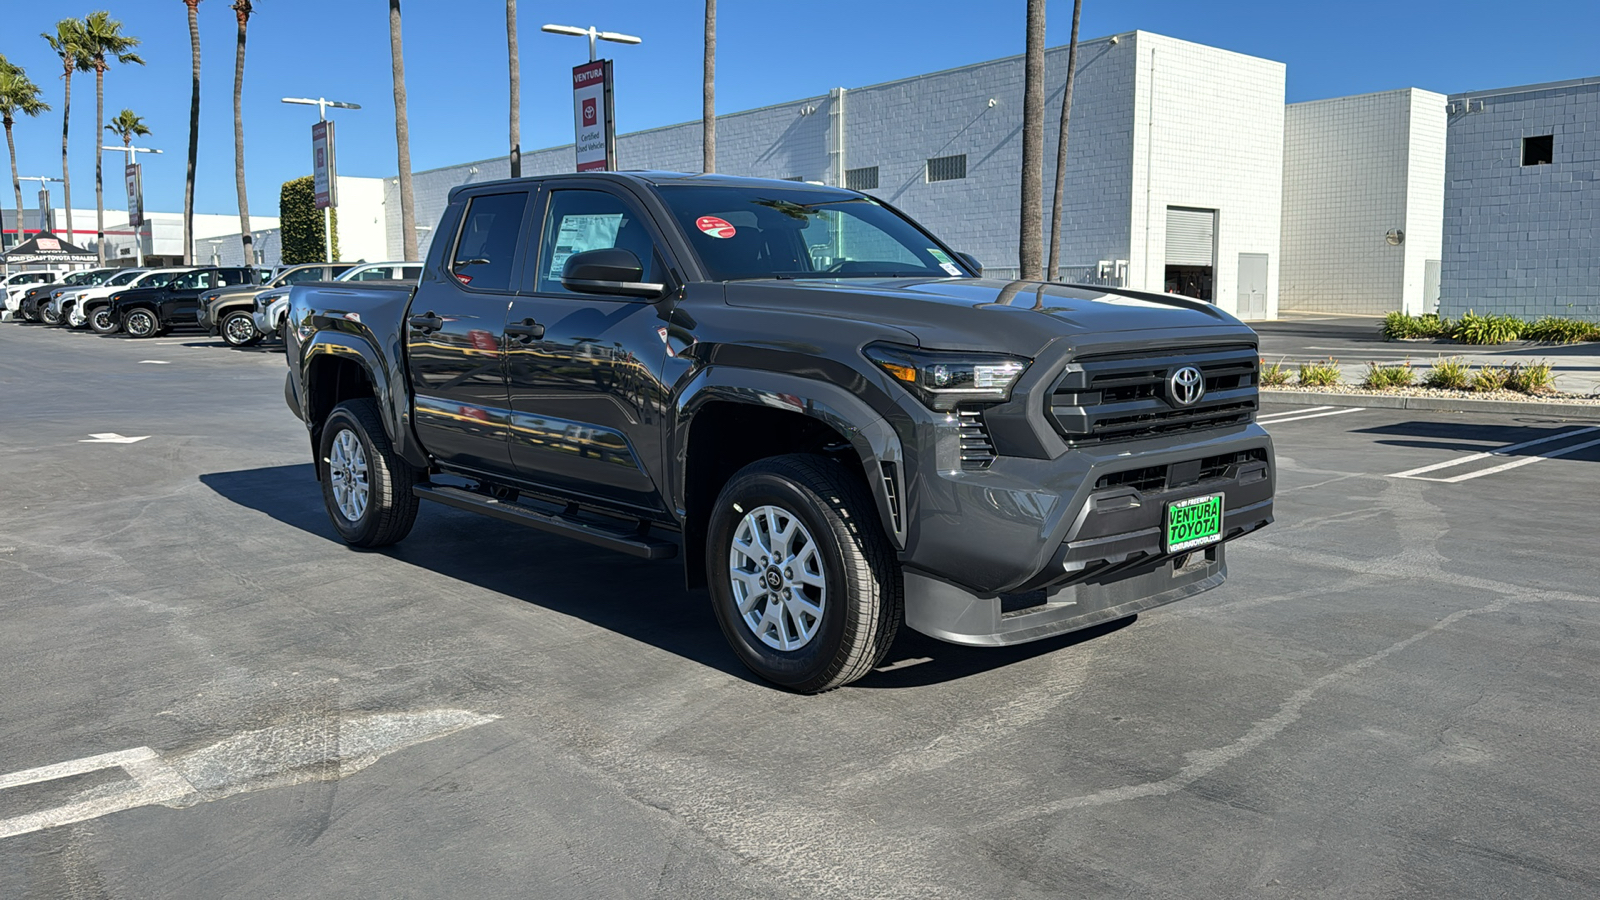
(591, 110)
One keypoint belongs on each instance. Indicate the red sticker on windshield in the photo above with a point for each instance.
(717, 228)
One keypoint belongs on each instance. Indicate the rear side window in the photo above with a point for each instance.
(591, 220)
(296, 276)
(490, 232)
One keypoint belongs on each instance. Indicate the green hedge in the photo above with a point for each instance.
(301, 224)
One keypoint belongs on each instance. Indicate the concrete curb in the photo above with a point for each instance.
(1433, 404)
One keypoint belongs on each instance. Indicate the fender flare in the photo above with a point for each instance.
(871, 435)
(392, 408)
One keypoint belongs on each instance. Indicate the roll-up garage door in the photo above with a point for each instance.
(1191, 233)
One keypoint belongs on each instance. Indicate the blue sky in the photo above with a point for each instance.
(768, 52)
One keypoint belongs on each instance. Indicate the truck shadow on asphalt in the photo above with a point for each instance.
(1472, 437)
(642, 600)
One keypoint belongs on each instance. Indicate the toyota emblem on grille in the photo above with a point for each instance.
(1185, 386)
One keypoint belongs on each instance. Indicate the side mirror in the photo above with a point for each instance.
(609, 270)
(972, 263)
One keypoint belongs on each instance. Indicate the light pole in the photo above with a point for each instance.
(322, 104)
(44, 205)
(138, 230)
(592, 34)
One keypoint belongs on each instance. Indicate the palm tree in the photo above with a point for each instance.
(1030, 245)
(514, 62)
(708, 94)
(17, 94)
(402, 134)
(127, 126)
(103, 41)
(1061, 147)
(67, 42)
(194, 131)
(241, 10)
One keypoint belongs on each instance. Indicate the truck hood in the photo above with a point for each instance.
(985, 314)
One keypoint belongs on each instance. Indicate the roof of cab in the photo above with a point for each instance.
(656, 177)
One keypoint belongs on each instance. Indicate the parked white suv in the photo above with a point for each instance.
(17, 282)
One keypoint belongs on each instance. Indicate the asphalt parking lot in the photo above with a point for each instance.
(207, 695)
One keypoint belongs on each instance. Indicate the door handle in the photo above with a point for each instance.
(525, 331)
(427, 322)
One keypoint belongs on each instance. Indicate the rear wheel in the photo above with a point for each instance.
(239, 330)
(102, 321)
(803, 581)
(141, 323)
(366, 486)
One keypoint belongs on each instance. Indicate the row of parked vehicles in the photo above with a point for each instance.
(243, 305)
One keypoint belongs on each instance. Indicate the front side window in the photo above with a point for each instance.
(592, 220)
(122, 278)
(157, 279)
(490, 231)
(295, 276)
(745, 233)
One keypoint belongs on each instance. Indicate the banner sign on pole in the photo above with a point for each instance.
(324, 174)
(591, 109)
(135, 196)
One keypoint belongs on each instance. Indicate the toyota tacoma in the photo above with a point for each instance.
(834, 420)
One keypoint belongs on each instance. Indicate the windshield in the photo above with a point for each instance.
(742, 232)
(124, 277)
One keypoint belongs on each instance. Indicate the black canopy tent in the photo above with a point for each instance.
(45, 247)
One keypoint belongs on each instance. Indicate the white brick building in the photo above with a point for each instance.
(1522, 205)
(1169, 139)
(1363, 203)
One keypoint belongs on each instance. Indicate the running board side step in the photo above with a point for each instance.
(637, 543)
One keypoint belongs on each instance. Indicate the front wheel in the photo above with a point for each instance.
(239, 330)
(803, 582)
(141, 323)
(366, 486)
(50, 315)
(101, 321)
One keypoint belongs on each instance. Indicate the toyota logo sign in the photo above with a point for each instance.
(1185, 386)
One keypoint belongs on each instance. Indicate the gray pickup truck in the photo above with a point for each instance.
(830, 415)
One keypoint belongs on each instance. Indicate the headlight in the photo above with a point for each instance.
(943, 378)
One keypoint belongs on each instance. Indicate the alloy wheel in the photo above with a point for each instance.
(347, 471)
(779, 584)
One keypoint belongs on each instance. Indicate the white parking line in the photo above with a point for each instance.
(153, 782)
(1302, 418)
(1291, 412)
(1416, 474)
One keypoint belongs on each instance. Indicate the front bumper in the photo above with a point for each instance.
(1030, 548)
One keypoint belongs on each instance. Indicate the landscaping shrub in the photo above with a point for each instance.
(1399, 326)
(1475, 329)
(1561, 331)
(1383, 378)
(1489, 378)
(1534, 378)
(1320, 374)
(1452, 374)
(1274, 375)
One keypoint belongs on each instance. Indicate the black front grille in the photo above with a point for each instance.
(1125, 396)
(1155, 479)
(977, 450)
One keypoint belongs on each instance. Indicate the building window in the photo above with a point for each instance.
(1539, 151)
(947, 168)
(861, 179)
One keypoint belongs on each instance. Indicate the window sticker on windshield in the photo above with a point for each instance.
(580, 233)
(715, 227)
(945, 262)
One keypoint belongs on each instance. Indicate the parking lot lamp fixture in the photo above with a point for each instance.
(593, 35)
(138, 230)
(322, 104)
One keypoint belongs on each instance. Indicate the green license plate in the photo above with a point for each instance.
(1194, 522)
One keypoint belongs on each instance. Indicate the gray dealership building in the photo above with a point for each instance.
(1187, 173)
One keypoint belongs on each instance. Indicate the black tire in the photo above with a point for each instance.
(141, 322)
(101, 321)
(48, 317)
(391, 508)
(239, 330)
(862, 608)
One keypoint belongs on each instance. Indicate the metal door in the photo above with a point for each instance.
(1252, 285)
(1191, 236)
(453, 333)
(584, 370)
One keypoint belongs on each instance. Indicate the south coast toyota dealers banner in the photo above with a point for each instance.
(591, 110)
